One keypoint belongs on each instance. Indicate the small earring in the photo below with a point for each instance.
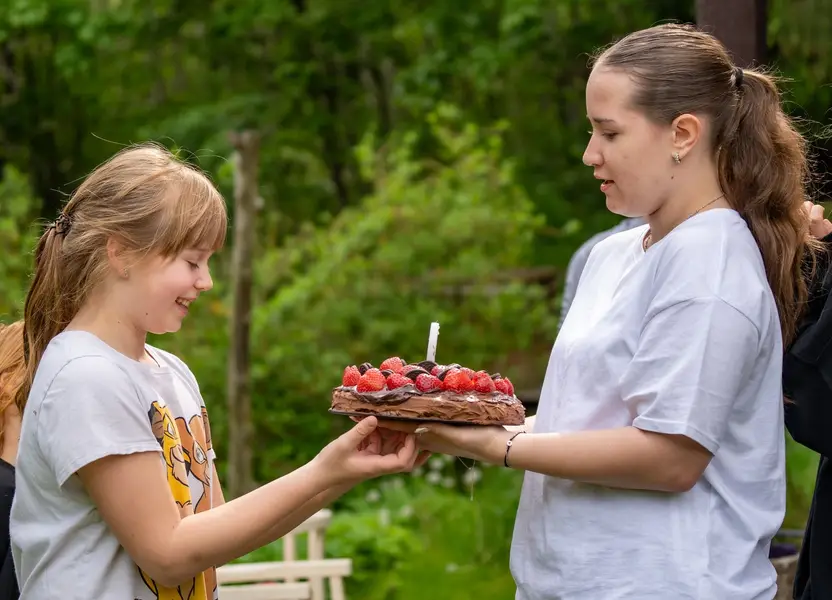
(676, 158)
(125, 274)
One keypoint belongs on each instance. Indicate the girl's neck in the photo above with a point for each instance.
(113, 328)
(697, 190)
(664, 220)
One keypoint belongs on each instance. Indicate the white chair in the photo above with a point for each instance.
(267, 591)
(291, 579)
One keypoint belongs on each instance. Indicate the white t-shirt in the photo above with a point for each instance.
(681, 339)
(87, 402)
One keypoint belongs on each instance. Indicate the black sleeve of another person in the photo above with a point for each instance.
(807, 367)
(8, 580)
(807, 384)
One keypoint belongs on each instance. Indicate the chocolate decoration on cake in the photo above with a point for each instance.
(364, 367)
(474, 409)
(414, 373)
(401, 390)
(427, 365)
(455, 395)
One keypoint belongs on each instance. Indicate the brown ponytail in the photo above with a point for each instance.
(761, 157)
(145, 198)
(763, 170)
(50, 303)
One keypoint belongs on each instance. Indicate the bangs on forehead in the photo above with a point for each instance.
(196, 216)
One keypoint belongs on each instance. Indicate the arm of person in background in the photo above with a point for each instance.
(807, 365)
(819, 226)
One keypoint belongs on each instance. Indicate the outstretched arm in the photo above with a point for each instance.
(132, 495)
(292, 520)
(624, 458)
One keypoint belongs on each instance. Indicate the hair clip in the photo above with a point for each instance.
(739, 74)
(62, 224)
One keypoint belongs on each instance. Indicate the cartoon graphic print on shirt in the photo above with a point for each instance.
(168, 437)
(176, 467)
(196, 457)
(196, 444)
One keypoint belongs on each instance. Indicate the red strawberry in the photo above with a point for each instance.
(394, 363)
(479, 374)
(428, 383)
(457, 381)
(397, 380)
(437, 370)
(504, 386)
(351, 376)
(484, 385)
(371, 381)
(468, 372)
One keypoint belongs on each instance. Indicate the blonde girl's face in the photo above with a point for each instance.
(163, 288)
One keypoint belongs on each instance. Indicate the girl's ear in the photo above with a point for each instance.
(116, 257)
(687, 131)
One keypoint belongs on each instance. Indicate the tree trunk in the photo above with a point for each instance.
(246, 157)
(739, 24)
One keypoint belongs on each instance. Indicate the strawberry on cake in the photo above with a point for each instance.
(427, 391)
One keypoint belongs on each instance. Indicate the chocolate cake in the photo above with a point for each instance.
(427, 392)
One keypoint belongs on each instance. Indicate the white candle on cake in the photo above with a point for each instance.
(432, 339)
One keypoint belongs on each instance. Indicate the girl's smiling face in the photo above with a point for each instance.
(163, 288)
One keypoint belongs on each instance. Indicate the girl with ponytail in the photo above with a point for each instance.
(655, 464)
(96, 513)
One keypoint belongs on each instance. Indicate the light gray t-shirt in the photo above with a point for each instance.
(681, 339)
(87, 402)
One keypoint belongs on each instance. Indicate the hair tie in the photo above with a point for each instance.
(739, 74)
(62, 224)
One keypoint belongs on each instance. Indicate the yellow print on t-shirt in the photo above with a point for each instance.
(196, 443)
(167, 434)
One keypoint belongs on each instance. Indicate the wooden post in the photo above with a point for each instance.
(246, 158)
(739, 24)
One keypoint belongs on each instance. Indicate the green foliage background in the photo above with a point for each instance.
(420, 162)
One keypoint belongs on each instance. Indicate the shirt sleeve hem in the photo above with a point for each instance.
(73, 466)
(677, 428)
